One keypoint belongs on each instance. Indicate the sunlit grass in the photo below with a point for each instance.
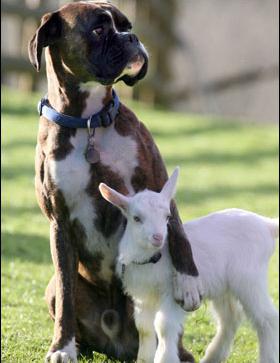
(223, 165)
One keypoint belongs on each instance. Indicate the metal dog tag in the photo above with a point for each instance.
(92, 155)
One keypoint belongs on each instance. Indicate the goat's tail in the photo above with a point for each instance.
(273, 225)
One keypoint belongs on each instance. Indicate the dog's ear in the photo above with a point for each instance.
(47, 33)
(120, 20)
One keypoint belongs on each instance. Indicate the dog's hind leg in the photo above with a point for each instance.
(229, 315)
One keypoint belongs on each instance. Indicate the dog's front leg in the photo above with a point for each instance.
(65, 259)
(187, 285)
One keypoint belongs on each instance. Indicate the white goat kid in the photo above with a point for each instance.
(150, 284)
(231, 249)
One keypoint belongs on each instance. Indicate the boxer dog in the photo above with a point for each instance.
(89, 47)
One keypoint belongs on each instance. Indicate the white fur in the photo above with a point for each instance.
(119, 153)
(231, 249)
(64, 355)
(94, 102)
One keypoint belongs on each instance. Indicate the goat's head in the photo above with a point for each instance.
(147, 213)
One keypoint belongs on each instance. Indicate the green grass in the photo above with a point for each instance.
(223, 164)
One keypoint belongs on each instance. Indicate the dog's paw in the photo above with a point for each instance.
(188, 291)
(60, 357)
(66, 354)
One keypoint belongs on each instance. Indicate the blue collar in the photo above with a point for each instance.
(103, 118)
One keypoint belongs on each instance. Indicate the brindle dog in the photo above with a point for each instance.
(92, 42)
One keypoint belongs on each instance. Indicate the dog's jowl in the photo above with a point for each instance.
(86, 136)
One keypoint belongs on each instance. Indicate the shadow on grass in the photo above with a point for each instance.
(247, 157)
(25, 247)
(17, 144)
(12, 173)
(191, 131)
(191, 195)
(19, 110)
(12, 211)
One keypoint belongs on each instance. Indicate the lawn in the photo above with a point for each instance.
(223, 164)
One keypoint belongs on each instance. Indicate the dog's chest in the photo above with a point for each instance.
(72, 177)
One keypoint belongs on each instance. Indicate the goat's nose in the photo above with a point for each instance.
(157, 239)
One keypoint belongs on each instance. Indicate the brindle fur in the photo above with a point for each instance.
(78, 295)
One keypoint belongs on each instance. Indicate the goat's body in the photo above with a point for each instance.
(229, 246)
(232, 249)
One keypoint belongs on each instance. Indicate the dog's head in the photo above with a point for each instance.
(92, 41)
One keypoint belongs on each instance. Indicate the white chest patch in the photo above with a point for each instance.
(72, 176)
(119, 153)
(94, 102)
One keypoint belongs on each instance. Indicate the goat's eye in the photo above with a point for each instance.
(98, 31)
(137, 219)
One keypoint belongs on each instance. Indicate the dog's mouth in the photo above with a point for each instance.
(135, 65)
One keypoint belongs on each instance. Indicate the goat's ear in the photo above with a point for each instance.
(113, 197)
(169, 188)
(48, 31)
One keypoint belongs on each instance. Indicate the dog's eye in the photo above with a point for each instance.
(137, 219)
(98, 31)
(168, 217)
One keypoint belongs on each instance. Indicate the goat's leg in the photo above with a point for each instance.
(144, 320)
(229, 315)
(265, 318)
(168, 326)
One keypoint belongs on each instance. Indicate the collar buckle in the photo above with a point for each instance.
(105, 118)
(102, 119)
